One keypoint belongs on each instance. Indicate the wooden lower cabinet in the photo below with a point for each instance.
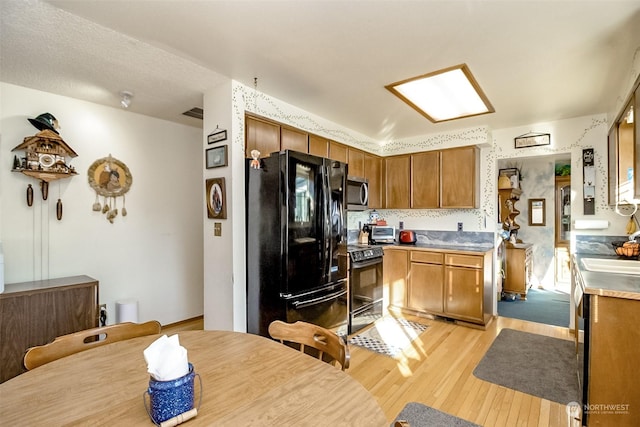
(613, 395)
(519, 269)
(395, 270)
(426, 282)
(34, 313)
(453, 285)
(464, 293)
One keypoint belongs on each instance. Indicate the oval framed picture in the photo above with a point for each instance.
(216, 198)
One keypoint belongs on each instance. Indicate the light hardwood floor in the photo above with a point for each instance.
(438, 371)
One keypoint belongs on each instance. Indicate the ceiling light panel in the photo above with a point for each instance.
(443, 95)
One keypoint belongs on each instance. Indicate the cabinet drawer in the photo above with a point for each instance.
(428, 257)
(471, 261)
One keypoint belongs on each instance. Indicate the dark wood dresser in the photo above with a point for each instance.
(34, 313)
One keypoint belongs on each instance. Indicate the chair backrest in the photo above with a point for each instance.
(76, 342)
(307, 334)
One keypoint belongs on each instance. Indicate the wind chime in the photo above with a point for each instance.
(45, 158)
(109, 178)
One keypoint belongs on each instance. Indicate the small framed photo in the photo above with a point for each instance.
(532, 140)
(513, 174)
(537, 216)
(216, 157)
(216, 198)
(217, 136)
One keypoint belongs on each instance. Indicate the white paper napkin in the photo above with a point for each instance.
(166, 359)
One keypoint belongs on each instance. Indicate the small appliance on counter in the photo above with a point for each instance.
(407, 237)
(382, 235)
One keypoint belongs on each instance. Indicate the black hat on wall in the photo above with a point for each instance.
(45, 121)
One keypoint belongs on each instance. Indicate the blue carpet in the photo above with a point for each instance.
(542, 306)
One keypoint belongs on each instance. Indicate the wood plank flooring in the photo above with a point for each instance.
(438, 371)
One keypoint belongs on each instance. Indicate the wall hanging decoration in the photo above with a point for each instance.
(217, 135)
(589, 181)
(216, 198)
(45, 156)
(216, 157)
(532, 139)
(109, 178)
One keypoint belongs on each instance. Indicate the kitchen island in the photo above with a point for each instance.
(609, 304)
(453, 282)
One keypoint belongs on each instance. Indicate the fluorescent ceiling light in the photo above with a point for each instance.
(444, 95)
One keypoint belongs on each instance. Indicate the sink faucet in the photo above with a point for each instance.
(634, 236)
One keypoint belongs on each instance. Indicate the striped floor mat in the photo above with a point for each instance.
(389, 335)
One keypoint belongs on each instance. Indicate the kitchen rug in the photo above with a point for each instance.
(417, 414)
(534, 364)
(389, 335)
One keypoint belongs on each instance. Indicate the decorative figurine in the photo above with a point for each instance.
(255, 163)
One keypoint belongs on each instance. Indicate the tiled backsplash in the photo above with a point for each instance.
(430, 237)
(596, 245)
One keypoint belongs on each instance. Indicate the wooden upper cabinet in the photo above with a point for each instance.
(318, 146)
(261, 135)
(355, 158)
(373, 174)
(293, 139)
(459, 183)
(338, 152)
(397, 181)
(425, 180)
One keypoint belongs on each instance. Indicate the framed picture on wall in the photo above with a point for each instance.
(216, 157)
(216, 198)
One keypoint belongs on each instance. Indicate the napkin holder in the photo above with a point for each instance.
(171, 402)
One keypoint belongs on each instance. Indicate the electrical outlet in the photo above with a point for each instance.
(217, 229)
(459, 226)
(401, 225)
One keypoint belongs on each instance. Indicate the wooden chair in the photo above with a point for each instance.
(306, 334)
(76, 342)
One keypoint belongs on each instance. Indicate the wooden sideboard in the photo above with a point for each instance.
(34, 313)
(519, 269)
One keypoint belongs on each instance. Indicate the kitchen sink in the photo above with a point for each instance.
(608, 265)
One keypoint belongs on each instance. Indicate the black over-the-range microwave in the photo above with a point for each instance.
(357, 194)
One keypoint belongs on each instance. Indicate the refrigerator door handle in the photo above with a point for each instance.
(328, 237)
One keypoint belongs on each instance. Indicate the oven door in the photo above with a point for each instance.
(326, 307)
(365, 293)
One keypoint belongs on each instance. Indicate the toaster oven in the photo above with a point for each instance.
(382, 234)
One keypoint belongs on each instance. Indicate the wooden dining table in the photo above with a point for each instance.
(247, 380)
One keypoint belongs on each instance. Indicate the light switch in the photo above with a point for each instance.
(217, 229)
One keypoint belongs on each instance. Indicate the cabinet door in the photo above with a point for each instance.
(356, 162)
(459, 178)
(463, 293)
(373, 173)
(397, 184)
(338, 151)
(293, 139)
(425, 180)
(262, 136)
(426, 287)
(395, 269)
(318, 146)
(626, 150)
(636, 154)
(612, 142)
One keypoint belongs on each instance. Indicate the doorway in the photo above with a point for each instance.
(544, 181)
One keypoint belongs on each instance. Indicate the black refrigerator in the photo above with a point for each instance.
(296, 241)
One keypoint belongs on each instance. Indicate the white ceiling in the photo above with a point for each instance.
(536, 60)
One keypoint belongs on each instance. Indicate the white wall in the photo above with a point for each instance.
(154, 254)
